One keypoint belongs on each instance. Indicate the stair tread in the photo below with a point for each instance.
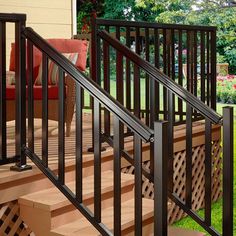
(51, 199)
(82, 227)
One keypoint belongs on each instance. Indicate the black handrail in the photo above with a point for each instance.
(160, 77)
(12, 17)
(155, 25)
(93, 88)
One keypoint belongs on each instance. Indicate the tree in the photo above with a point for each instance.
(220, 13)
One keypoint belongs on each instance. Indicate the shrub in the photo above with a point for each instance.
(226, 89)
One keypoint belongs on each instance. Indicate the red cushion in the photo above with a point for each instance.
(52, 92)
(63, 46)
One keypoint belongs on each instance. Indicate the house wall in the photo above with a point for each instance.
(49, 18)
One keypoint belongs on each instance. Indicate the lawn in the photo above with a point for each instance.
(216, 207)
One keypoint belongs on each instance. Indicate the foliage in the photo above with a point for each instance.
(226, 89)
(203, 13)
(87, 8)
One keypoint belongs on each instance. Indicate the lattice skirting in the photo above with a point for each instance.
(198, 168)
(11, 223)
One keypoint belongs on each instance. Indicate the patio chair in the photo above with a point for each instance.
(68, 46)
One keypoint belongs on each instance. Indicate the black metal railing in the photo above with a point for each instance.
(159, 134)
(192, 104)
(121, 118)
(20, 135)
(186, 54)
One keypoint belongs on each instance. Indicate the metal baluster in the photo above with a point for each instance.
(30, 96)
(3, 144)
(97, 160)
(138, 184)
(208, 68)
(157, 65)
(79, 144)
(203, 66)
(147, 88)
(118, 143)
(45, 110)
(106, 63)
(188, 193)
(180, 74)
(61, 128)
(208, 163)
(128, 73)
(213, 70)
(137, 103)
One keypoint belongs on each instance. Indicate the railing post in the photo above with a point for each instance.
(228, 146)
(20, 64)
(160, 177)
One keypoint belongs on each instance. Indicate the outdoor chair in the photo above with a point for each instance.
(76, 51)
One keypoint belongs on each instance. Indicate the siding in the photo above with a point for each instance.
(49, 18)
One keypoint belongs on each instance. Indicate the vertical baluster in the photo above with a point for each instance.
(180, 74)
(228, 155)
(213, 70)
(61, 128)
(208, 163)
(106, 64)
(128, 72)
(137, 104)
(195, 65)
(208, 68)
(79, 144)
(171, 106)
(160, 178)
(172, 62)
(171, 114)
(188, 193)
(138, 184)
(165, 72)
(156, 85)
(97, 160)
(119, 72)
(30, 96)
(3, 144)
(189, 71)
(147, 57)
(45, 110)
(118, 143)
(203, 66)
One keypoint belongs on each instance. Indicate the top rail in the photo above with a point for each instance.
(143, 24)
(188, 97)
(12, 17)
(93, 88)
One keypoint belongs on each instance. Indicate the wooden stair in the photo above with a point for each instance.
(52, 209)
(49, 213)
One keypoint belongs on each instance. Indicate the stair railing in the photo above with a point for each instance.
(192, 104)
(122, 119)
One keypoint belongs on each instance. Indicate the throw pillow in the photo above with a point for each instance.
(53, 69)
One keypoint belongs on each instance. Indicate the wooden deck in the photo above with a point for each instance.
(8, 178)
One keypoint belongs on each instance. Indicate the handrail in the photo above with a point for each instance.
(93, 88)
(162, 78)
(143, 24)
(12, 17)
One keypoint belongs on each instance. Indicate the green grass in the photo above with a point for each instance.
(188, 223)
